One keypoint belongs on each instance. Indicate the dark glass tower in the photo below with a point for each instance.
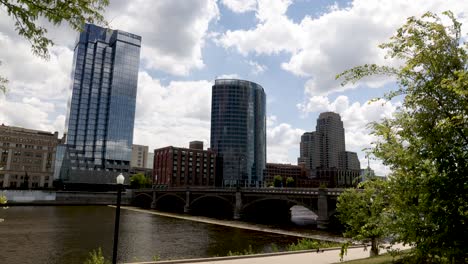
(101, 109)
(238, 130)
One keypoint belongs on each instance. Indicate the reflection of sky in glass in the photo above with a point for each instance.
(238, 128)
(101, 110)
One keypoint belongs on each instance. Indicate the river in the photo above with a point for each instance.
(66, 234)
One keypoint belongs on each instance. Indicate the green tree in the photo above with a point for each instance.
(290, 182)
(75, 12)
(26, 14)
(139, 180)
(364, 212)
(426, 142)
(278, 181)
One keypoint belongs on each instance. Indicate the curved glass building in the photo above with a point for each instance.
(238, 131)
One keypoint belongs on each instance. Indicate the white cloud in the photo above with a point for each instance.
(164, 117)
(281, 140)
(256, 68)
(240, 6)
(273, 34)
(31, 76)
(28, 116)
(229, 76)
(173, 31)
(324, 46)
(174, 114)
(38, 89)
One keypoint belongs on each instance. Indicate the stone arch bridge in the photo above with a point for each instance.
(241, 203)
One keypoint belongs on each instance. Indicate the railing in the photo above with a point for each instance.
(307, 191)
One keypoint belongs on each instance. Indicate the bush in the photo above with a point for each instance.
(305, 244)
(96, 257)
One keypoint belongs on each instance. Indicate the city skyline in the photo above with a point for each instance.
(267, 44)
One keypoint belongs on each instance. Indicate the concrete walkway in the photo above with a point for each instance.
(309, 257)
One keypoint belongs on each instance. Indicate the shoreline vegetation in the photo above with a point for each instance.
(96, 256)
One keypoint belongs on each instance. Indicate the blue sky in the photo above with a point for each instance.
(293, 48)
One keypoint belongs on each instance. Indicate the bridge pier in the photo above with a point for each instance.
(153, 202)
(238, 206)
(187, 202)
(322, 206)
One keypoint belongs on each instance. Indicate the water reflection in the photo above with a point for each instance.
(66, 234)
(302, 216)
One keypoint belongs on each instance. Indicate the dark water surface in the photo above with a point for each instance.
(65, 234)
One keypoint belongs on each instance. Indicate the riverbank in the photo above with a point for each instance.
(311, 234)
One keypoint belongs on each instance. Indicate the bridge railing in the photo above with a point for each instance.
(311, 191)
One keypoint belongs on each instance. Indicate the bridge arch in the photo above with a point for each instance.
(169, 194)
(170, 202)
(212, 205)
(143, 200)
(212, 196)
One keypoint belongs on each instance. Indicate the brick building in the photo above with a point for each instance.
(175, 167)
(284, 170)
(26, 157)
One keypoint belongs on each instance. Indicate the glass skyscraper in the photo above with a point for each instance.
(238, 130)
(101, 109)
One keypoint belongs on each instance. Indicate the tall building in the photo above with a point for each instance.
(178, 167)
(323, 153)
(150, 161)
(331, 140)
(27, 157)
(101, 109)
(238, 130)
(139, 156)
(348, 161)
(309, 151)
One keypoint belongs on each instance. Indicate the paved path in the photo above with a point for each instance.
(329, 256)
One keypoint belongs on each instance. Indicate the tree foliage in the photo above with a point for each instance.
(3, 200)
(278, 181)
(290, 182)
(364, 212)
(27, 14)
(426, 142)
(139, 180)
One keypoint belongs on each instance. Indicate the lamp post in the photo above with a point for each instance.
(120, 181)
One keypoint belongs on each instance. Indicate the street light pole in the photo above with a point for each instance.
(120, 181)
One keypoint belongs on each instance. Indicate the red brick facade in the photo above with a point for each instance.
(176, 167)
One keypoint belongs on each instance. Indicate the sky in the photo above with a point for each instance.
(293, 48)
